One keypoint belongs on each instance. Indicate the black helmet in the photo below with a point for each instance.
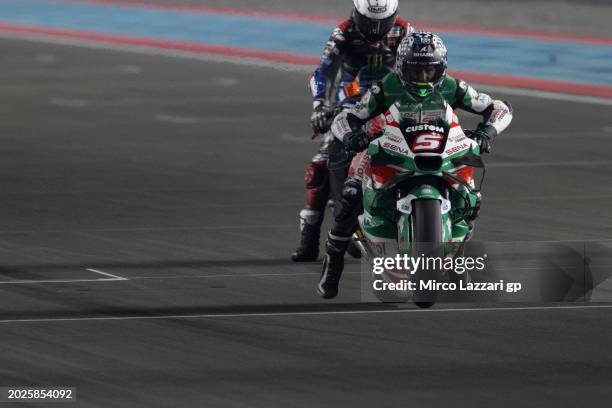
(374, 18)
(421, 62)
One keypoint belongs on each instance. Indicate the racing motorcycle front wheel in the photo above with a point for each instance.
(427, 244)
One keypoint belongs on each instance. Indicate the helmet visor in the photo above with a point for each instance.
(421, 74)
(374, 30)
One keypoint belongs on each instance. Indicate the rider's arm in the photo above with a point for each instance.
(377, 100)
(496, 114)
(324, 76)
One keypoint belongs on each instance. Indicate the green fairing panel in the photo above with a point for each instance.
(379, 211)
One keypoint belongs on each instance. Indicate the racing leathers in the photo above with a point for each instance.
(345, 54)
(390, 94)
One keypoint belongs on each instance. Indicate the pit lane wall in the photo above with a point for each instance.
(558, 62)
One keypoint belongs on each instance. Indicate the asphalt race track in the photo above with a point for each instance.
(148, 208)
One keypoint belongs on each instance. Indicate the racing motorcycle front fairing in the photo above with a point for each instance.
(423, 161)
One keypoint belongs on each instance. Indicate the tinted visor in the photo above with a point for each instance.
(421, 73)
(373, 30)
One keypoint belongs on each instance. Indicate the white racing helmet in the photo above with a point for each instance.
(374, 18)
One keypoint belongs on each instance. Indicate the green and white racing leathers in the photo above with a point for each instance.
(391, 95)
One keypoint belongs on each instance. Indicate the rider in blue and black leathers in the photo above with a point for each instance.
(369, 38)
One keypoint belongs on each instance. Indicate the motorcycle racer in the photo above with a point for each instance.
(420, 73)
(370, 36)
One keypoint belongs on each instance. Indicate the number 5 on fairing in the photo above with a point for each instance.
(420, 197)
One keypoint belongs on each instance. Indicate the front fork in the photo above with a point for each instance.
(455, 229)
(404, 206)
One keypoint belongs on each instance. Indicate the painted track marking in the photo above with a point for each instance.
(285, 314)
(33, 282)
(110, 275)
(282, 66)
(153, 229)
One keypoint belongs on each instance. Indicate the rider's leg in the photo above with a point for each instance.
(346, 211)
(337, 177)
(311, 217)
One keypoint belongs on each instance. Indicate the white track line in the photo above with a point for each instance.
(109, 278)
(271, 64)
(32, 282)
(110, 275)
(241, 275)
(154, 229)
(330, 313)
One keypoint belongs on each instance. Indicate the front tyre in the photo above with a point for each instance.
(426, 223)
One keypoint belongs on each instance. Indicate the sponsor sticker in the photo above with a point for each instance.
(424, 128)
(456, 149)
(395, 148)
(432, 115)
(409, 115)
(394, 139)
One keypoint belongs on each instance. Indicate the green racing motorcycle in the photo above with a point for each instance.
(421, 190)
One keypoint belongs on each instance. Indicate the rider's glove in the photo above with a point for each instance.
(356, 141)
(483, 135)
(320, 120)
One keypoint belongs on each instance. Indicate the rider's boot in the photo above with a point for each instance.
(345, 224)
(333, 266)
(310, 230)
